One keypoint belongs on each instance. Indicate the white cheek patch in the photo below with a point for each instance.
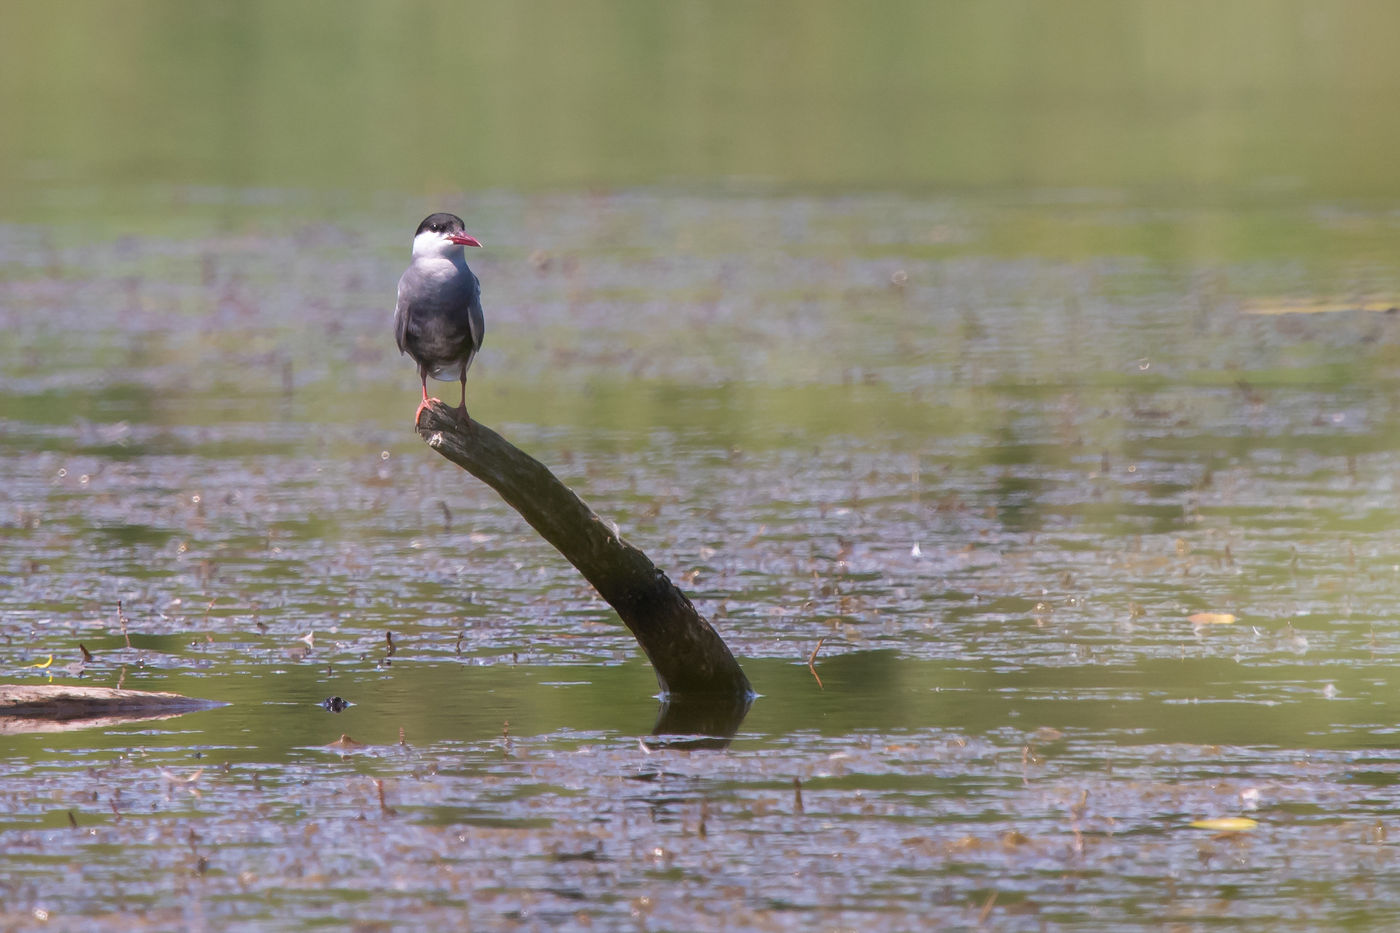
(430, 243)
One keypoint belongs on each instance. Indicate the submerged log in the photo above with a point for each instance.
(59, 707)
(716, 717)
(689, 657)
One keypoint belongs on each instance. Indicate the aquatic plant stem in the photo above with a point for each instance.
(689, 657)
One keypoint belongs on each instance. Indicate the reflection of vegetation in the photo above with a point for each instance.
(1243, 97)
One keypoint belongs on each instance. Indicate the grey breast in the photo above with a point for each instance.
(438, 320)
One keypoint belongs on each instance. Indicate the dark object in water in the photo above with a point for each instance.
(336, 704)
(690, 658)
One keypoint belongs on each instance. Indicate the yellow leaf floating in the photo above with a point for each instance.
(1210, 618)
(1226, 824)
(1287, 306)
(43, 664)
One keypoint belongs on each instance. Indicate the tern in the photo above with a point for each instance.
(438, 320)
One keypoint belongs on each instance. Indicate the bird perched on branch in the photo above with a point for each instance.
(438, 320)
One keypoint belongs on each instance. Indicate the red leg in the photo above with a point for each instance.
(463, 407)
(423, 404)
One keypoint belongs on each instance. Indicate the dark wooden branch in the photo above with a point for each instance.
(690, 658)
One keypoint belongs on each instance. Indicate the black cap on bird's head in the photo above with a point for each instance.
(449, 226)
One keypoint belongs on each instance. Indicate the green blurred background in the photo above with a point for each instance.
(1184, 100)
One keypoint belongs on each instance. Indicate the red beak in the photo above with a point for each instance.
(462, 239)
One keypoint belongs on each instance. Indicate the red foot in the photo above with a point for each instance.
(417, 415)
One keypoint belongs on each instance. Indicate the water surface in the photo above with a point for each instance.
(992, 488)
